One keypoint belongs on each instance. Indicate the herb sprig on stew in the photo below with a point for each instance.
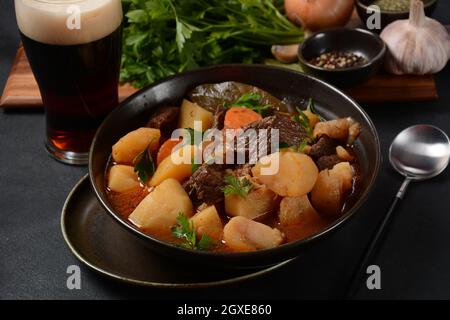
(185, 231)
(144, 165)
(303, 119)
(283, 146)
(250, 101)
(237, 186)
(310, 107)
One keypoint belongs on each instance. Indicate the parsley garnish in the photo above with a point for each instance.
(250, 100)
(300, 148)
(303, 119)
(236, 186)
(144, 165)
(184, 230)
(311, 108)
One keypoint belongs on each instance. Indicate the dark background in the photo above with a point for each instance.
(415, 259)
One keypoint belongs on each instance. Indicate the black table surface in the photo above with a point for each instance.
(414, 260)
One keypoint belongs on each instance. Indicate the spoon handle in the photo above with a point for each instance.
(375, 242)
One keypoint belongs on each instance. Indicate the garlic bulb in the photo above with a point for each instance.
(419, 45)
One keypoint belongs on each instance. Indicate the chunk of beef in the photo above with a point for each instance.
(204, 186)
(254, 146)
(165, 118)
(327, 162)
(290, 131)
(324, 147)
(219, 118)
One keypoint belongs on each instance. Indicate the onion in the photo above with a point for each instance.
(319, 14)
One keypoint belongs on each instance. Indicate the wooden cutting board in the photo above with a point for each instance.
(21, 90)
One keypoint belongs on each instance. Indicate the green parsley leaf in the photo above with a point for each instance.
(249, 97)
(144, 165)
(184, 32)
(184, 230)
(165, 37)
(205, 243)
(137, 16)
(250, 100)
(236, 186)
(302, 146)
(304, 122)
(311, 108)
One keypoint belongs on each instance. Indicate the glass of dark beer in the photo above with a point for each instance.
(74, 50)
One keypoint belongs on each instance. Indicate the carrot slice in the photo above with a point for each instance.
(166, 150)
(236, 117)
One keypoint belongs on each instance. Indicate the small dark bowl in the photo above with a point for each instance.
(357, 41)
(284, 84)
(387, 17)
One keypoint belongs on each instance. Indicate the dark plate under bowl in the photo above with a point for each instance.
(102, 245)
(387, 17)
(284, 84)
(357, 41)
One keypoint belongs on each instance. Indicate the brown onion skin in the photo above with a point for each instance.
(316, 15)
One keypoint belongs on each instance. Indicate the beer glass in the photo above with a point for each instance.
(74, 50)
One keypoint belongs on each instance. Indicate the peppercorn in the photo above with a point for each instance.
(338, 60)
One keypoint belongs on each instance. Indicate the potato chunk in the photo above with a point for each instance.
(257, 203)
(177, 166)
(296, 175)
(133, 143)
(207, 222)
(298, 219)
(345, 172)
(294, 210)
(158, 212)
(353, 131)
(191, 112)
(331, 188)
(343, 154)
(122, 178)
(242, 234)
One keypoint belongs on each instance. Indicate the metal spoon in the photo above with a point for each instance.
(419, 152)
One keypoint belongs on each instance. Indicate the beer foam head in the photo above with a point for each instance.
(68, 22)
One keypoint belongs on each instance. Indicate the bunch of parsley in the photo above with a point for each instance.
(165, 37)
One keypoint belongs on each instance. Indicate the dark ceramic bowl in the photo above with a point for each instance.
(284, 84)
(357, 41)
(387, 17)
